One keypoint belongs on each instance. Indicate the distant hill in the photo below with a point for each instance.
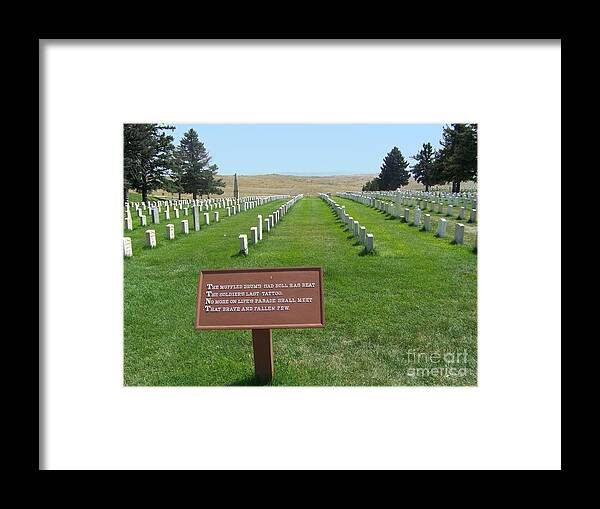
(275, 183)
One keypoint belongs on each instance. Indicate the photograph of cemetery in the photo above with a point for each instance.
(386, 212)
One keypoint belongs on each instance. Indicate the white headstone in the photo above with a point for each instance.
(206, 218)
(150, 238)
(185, 227)
(143, 220)
(170, 232)
(260, 227)
(417, 217)
(427, 222)
(254, 234)
(441, 230)
(459, 233)
(243, 243)
(370, 242)
(363, 235)
(127, 250)
(196, 218)
(473, 216)
(216, 216)
(128, 225)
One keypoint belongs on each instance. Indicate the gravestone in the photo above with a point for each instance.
(363, 235)
(143, 220)
(427, 222)
(370, 242)
(127, 250)
(216, 216)
(355, 228)
(155, 216)
(417, 217)
(441, 230)
(459, 233)
(176, 211)
(150, 238)
(185, 227)
(473, 216)
(406, 215)
(128, 224)
(260, 227)
(268, 224)
(243, 243)
(206, 218)
(196, 218)
(170, 232)
(254, 234)
(461, 213)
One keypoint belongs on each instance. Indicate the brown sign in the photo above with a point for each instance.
(290, 297)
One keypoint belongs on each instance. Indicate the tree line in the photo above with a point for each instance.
(152, 161)
(455, 162)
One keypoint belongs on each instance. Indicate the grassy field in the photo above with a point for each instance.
(410, 306)
(252, 185)
(452, 220)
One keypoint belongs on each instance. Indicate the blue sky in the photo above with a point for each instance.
(308, 149)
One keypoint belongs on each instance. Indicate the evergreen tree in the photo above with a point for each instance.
(213, 184)
(177, 173)
(457, 159)
(425, 171)
(192, 158)
(147, 153)
(371, 185)
(394, 173)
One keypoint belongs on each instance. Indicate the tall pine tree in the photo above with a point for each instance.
(177, 173)
(192, 157)
(147, 153)
(213, 184)
(425, 171)
(457, 159)
(394, 173)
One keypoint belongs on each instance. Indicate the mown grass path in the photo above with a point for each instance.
(415, 294)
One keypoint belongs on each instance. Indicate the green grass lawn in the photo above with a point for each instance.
(386, 314)
(470, 228)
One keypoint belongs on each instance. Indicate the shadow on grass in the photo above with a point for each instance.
(239, 254)
(364, 252)
(248, 381)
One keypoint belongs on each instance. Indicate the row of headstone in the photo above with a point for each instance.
(197, 219)
(256, 232)
(358, 231)
(228, 206)
(404, 215)
(398, 207)
(208, 203)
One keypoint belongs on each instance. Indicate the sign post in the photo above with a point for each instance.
(260, 300)
(262, 345)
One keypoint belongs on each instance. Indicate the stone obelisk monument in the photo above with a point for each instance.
(236, 191)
